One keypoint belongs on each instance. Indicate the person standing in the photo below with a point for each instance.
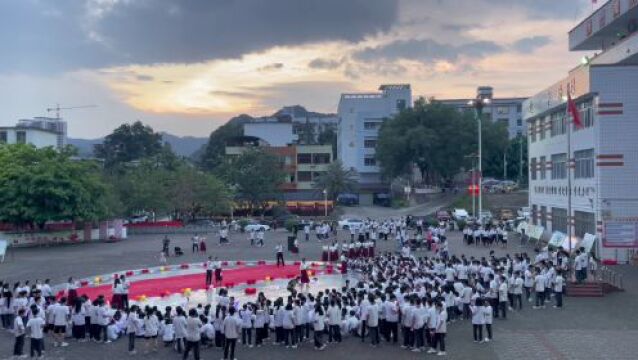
(19, 332)
(441, 329)
(165, 245)
(373, 321)
(209, 271)
(231, 327)
(35, 325)
(319, 326)
(193, 323)
(279, 249)
(61, 315)
(559, 283)
(195, 243)
(217, 267)
(304, 277)
(478, 320)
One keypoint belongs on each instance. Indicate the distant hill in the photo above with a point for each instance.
(182, 145)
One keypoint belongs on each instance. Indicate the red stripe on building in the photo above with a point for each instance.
(613, 163)
(610, 156)
(610, 105)
(610, 112)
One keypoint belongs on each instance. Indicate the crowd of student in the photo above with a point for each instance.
(391, 297)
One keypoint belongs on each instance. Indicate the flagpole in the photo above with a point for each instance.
(569, 174)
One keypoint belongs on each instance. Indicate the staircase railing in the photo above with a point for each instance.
(609, 276)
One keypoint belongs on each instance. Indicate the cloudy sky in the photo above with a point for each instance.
(186, 66)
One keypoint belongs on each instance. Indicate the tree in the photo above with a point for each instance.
(214, 152)
(495, 143)
(127, 143)
(194, 193)
(328, 137)
(40, 185)
(255, 175)
(433, 136)
(337, 180)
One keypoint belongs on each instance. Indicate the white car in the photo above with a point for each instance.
(350, 224)
(137, 219)
(256, 226)
(460, 214)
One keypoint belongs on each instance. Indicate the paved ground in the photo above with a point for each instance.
(587, 328)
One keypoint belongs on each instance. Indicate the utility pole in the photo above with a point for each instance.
(504, 165)
(520, 160)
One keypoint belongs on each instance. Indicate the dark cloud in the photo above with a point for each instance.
(62, 34)
(320, 63)
(427, 50)
(530, 44)
(143, 77)
(271, 67)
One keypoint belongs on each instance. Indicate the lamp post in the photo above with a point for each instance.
(478, 104)
(325, 202)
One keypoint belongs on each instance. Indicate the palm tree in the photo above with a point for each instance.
(337, 180)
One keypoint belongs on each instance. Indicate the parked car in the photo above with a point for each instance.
(138, 219)
(509, 185)
(460, 214)
(506, 214)
(254, 225)
(347, 224)
(348, 199)
(382, 199)
(443, 215)
(486, 216)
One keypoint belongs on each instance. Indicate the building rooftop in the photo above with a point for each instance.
(606, 26)
(394, 87)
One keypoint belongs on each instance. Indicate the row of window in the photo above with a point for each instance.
(584, 222)
(558, 122)
(320, 158)
(21, 137)
(308, 176)
(584, 161)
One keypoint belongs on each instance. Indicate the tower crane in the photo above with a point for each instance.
(57, 109)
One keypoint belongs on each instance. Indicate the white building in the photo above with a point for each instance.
(507, 111)
(603, 162)
(360, 117)
(57, 125)
(272, 130)
(37, 137)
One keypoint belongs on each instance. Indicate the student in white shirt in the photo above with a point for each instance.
(559, 283)
(168, 331)
(334, 322)
(319, 326)
(539, 289)
(232, 326)
(207, 332)
(179, 323)
(478, 320)
(60, 319)
(78, 320)
(373, 320)
(246, 316)
(193, 336)
(441, 329)
(35, 327)
(151, 330)
(19, 333)
(131, 328)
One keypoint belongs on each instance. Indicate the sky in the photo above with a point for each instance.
(187, 66)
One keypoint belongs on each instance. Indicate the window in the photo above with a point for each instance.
(370, 161)
(534, 214)
(543, 166)
(532, 169)
(541, 127)
(519, 132)
(317, 174)
(304, 158)
(559, 220)
(586, 114)
(370, 143)
(321, 158)
(559, 123)
(584, 223)
(400, 104)
(519, 122)
(503, 110)
(532, 131)
(21, 137)
(584, 164)
(559, 166)
(3, 137)
(304, 176)
(544, 216)
(519, 108)
(371, 125)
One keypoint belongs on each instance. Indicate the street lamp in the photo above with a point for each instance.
(478, 104)
(325, 202)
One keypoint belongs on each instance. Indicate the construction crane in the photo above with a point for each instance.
(57, 109)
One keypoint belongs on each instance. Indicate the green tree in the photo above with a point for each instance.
(255, 175)
(431, 135)
(495, 143)
(214, 153)
(194, 193)
(127, 143)
(336, 180)
(40, 185)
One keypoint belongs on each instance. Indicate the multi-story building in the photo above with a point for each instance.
(602, 162)
(56, 125)
(301, 164)
(276, 131)
(507, 111)
(360, 117)
(305, 121)
(35, 136)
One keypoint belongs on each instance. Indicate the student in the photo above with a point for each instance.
(231, 326)
(207, 332)
(60, 318)
(559, 283)
(193, 324)
(78, 321)
(334, 322)
(288, 324)
(246, 316)
(210, 267)
(279, 249)
(19, 332)
(151, 329)
(539, 289)
(35, 327)
(441, 329)
(179, 323)
(168, 331)
(372, 321)
(489, 318)
(319, 326)
(261, 329)
(131, 328)
(478, 320)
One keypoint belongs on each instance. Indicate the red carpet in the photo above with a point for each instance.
(157, 287)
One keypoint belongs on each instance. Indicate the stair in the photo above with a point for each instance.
(587, 289)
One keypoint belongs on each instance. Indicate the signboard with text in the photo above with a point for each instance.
(620, 234)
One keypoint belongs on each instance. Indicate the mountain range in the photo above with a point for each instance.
(182, 145)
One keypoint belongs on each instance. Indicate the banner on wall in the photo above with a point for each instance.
(620, 234)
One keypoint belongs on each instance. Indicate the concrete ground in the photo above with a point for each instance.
(587, 328)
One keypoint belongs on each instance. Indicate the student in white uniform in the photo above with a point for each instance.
(478, 320)
(35, 329)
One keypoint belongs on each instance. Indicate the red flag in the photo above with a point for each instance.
(573, 110)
